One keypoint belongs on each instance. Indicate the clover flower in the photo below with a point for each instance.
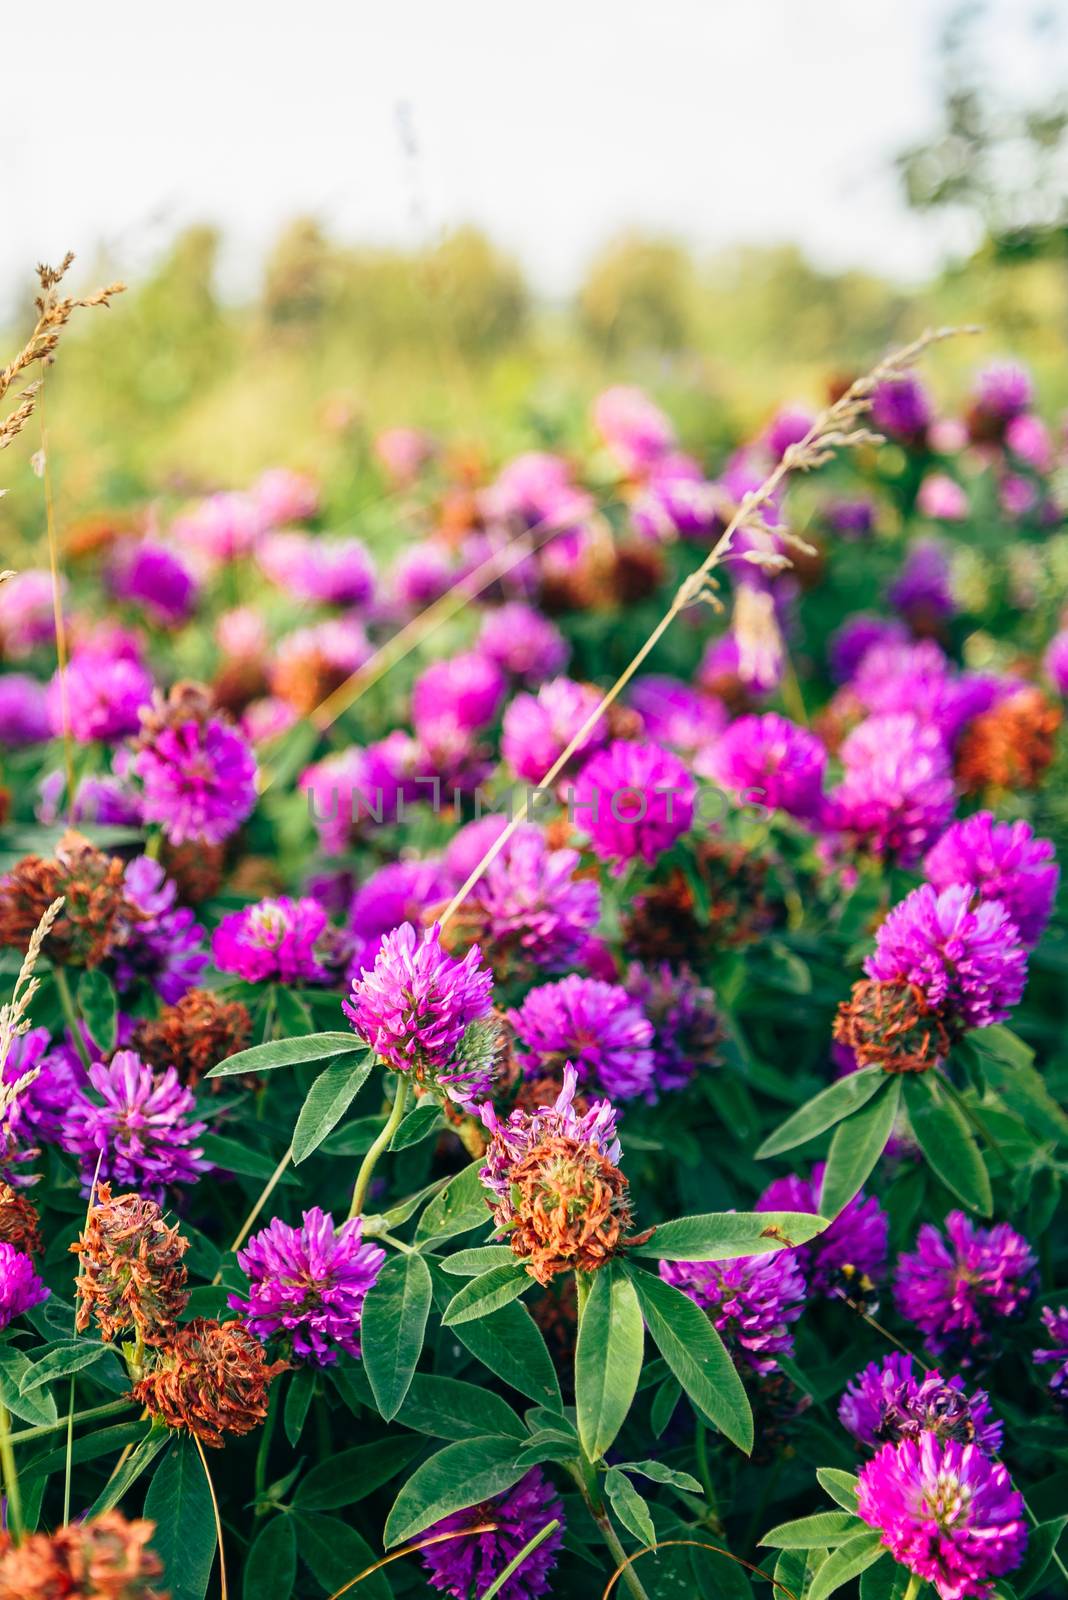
(523, 643)
(152, 575)
(529, 910)
(468, 1566)
(142, 1131)
(891, 1025)
(193, 1035)
(131, 1274)
(595, 1026)
(308, 1285)
(1011, 745)
(752, 1301)
(1003, 862)
(922, 592)
(635, 800)
(969, 963)
(961, 1286)
(415, 1004)
(537, 729)
(1055, 1322)
(946, 1512)
(285, 940)
(771, 759)
(886, 1403)
(161, 942)
(106, 1558)
(686, 1029)
(91, 885)
(897, 794)
(196, 769)
(20, 1287)
(212, 1379)
(24, 715)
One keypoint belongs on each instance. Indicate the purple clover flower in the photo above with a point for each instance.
(594, 1025)
(770, 758)
(24, 715)
(308, 1284)
(466, 689)
(959, 1286)
(677, 715)
(523, 643)
(1002, 862)
(142, 1128)
(635, 800)
(160, 941)
(856, 1238)
(751, 1300)
(901, 408)
(886, 1403)
(968, 962)
(416, 1003)
(538, 728)
(20, 1287)
(946, 1512)
(151, 575)
(633, 427)
(897, 794)
(336, 572)
(101, 693)
(530, 904)
(464, 1567)
(288, 941)
(685, 1021)
(1004, 390)
(922, 591)
(1055, 1322)
(199, 781)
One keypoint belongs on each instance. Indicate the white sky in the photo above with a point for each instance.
(552, 124)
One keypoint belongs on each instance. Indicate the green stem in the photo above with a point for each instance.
(914, 1587)
(370, 1160)
(70, 1012)
(24, 1435)
(704, 1472)
(585, 1476)
(517, 1561)
(264, 1450)
(11, 1477)
(70, 1454)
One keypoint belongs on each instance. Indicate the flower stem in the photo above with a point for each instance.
(70, 1012)
(914, 1587)
(24, 1435)
(11, 1477)
(370, 1160)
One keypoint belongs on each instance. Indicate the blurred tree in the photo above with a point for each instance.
(640, 292)
(477, 294)
(1001, 166)
(300, 274)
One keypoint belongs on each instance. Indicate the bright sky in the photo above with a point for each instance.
(552, 124)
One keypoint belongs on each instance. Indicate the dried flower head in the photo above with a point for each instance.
(1011, 745)
(571, 1208)
(212, 1379)
(891, 1025)
(197, 770)
(131, 1276)
(105, 1559)
(19, 1222)
(91, 886)
(193, 1035)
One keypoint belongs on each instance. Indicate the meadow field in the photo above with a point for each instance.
(534, 961)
